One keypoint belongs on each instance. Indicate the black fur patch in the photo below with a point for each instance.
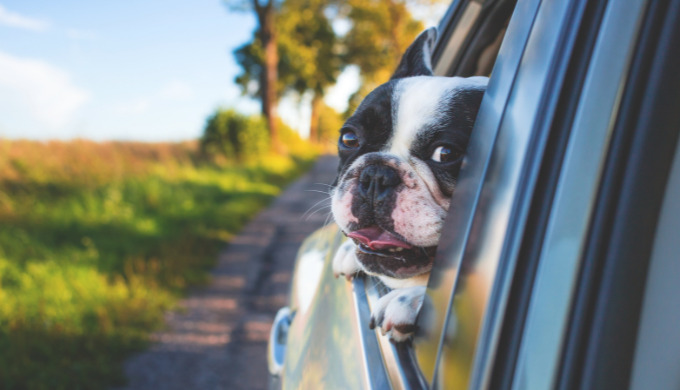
(372, 123)
(451, 130)
(416, 59)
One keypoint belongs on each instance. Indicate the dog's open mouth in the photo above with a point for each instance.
(384, 253)
(376, 239)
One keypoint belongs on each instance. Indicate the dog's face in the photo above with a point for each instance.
(400, 154)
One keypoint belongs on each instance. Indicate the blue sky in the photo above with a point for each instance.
(123, 70)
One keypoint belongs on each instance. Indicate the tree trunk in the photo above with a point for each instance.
(314, 123)
(269, 76)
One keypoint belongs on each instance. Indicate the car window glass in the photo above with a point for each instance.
(658, 344)
(454, 42)
(474, 44)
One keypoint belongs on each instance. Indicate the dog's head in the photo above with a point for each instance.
(400, 153)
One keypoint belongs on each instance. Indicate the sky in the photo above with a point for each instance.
(126, 70)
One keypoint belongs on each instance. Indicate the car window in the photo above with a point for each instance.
(473, 273)
(457, 334)
(470, 49)
(470, 36)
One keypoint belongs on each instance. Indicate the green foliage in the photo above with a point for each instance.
(308, 51)
(381, 31)
(250, 57)
(229, 134)
(309, 58)
(330, 122)
(92, 254)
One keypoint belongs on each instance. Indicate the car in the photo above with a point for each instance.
(558, 265)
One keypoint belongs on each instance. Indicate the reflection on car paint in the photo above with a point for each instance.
(327, 334)
(310, 266)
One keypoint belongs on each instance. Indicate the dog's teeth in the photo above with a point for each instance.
(399, 249)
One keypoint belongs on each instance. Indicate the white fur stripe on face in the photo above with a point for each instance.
(416, 104)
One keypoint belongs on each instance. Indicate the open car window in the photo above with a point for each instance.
(468, 44)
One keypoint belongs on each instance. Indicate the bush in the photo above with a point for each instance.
(234, 136)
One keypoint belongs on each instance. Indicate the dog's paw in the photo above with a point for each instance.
(396, 312)
(345, 261)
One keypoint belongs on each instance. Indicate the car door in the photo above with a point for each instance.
(540, 283)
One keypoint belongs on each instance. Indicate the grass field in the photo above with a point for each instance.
(98, 239)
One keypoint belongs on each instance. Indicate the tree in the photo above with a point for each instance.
(309, 54)
(267, 54)
(380, 33)
(307, 49)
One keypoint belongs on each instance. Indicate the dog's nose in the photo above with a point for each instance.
(378, 181)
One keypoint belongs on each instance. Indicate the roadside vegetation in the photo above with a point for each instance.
(98, 239)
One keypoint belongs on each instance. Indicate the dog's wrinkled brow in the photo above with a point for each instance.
(420, 104)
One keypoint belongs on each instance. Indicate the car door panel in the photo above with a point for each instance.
(328, 341)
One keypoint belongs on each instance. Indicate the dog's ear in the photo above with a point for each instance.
(417, 61)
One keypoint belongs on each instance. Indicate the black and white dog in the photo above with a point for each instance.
(400, 154)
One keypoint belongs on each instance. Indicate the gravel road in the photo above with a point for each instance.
(218, 338)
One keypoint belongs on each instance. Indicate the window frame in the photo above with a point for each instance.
(400, 363)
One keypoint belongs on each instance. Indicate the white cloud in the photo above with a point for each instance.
(176, 90)
(13, 19)
(46, 91)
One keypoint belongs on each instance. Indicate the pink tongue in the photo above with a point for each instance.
(376, 238)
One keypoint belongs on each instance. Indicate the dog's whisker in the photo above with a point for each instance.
(374, 289)
(329, 219)
(316, 208)
(320, 202)
(315, 205)
(321, 192)
(381, 287)
(316, 211)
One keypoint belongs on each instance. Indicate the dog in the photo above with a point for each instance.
(400, 154)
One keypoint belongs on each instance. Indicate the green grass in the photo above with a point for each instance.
(97, 240)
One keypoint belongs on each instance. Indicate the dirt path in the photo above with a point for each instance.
(219, 339)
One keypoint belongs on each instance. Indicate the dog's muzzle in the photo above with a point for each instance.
(377, 183)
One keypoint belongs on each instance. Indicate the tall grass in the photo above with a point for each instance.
(98, 239)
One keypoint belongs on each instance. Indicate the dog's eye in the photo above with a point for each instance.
(443, 154)
(349, 139)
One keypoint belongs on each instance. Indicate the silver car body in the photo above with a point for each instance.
(518, 295)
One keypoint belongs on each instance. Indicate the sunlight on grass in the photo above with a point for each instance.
(98, 239)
